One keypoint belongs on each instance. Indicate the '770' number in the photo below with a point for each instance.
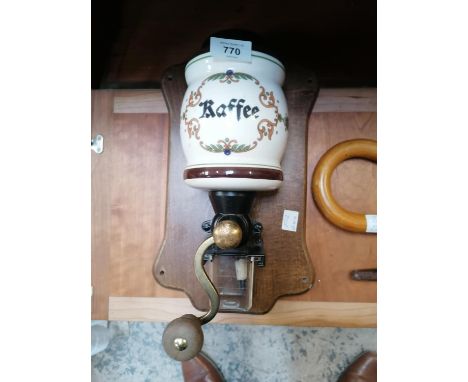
(232, 50)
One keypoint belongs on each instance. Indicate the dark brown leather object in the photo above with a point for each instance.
(201, 369)
(364, 274)
(363, 369)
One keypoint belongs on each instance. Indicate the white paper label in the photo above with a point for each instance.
(290, 219)
(232, 50)
(371, 223)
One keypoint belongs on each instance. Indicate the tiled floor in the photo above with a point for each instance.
(242, 352)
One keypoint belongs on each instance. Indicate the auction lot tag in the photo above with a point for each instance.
(371, 223)
(223, 49)
(290, 220)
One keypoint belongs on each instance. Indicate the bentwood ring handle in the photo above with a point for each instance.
(321, 184)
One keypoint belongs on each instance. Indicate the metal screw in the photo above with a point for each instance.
(258, 227)
(206, 226)
(180, 344)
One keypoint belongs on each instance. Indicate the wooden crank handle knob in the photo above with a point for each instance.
(183, 338)
(321, 185)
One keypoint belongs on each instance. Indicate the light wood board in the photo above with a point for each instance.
(290, 313)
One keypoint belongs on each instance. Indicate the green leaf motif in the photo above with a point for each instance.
(285, 120)
(237, 76)
(215, 76)
(213, 148)
(235, 148)
(241, 148)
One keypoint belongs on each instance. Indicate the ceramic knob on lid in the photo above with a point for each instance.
(234, 123)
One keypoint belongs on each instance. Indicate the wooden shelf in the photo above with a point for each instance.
(291, 313)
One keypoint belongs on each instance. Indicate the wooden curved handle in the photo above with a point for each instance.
(321, 182)
(183, 338)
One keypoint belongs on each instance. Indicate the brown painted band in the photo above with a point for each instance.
(233, 172)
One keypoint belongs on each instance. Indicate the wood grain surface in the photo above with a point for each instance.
(288, 268)
(354, 183)
(291, 313)
(139, 148)
(329, 100)
(143, 101)
(128, 193)
(102, 103)
(128, 201)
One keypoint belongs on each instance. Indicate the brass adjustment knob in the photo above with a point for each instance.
(227, 234)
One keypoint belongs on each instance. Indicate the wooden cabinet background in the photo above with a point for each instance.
(128, 213)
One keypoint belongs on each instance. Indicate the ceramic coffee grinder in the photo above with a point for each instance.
(230, 118)
(233, 130)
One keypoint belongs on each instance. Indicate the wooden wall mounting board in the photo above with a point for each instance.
(291, 313)
(288, 268)
(334, 252)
